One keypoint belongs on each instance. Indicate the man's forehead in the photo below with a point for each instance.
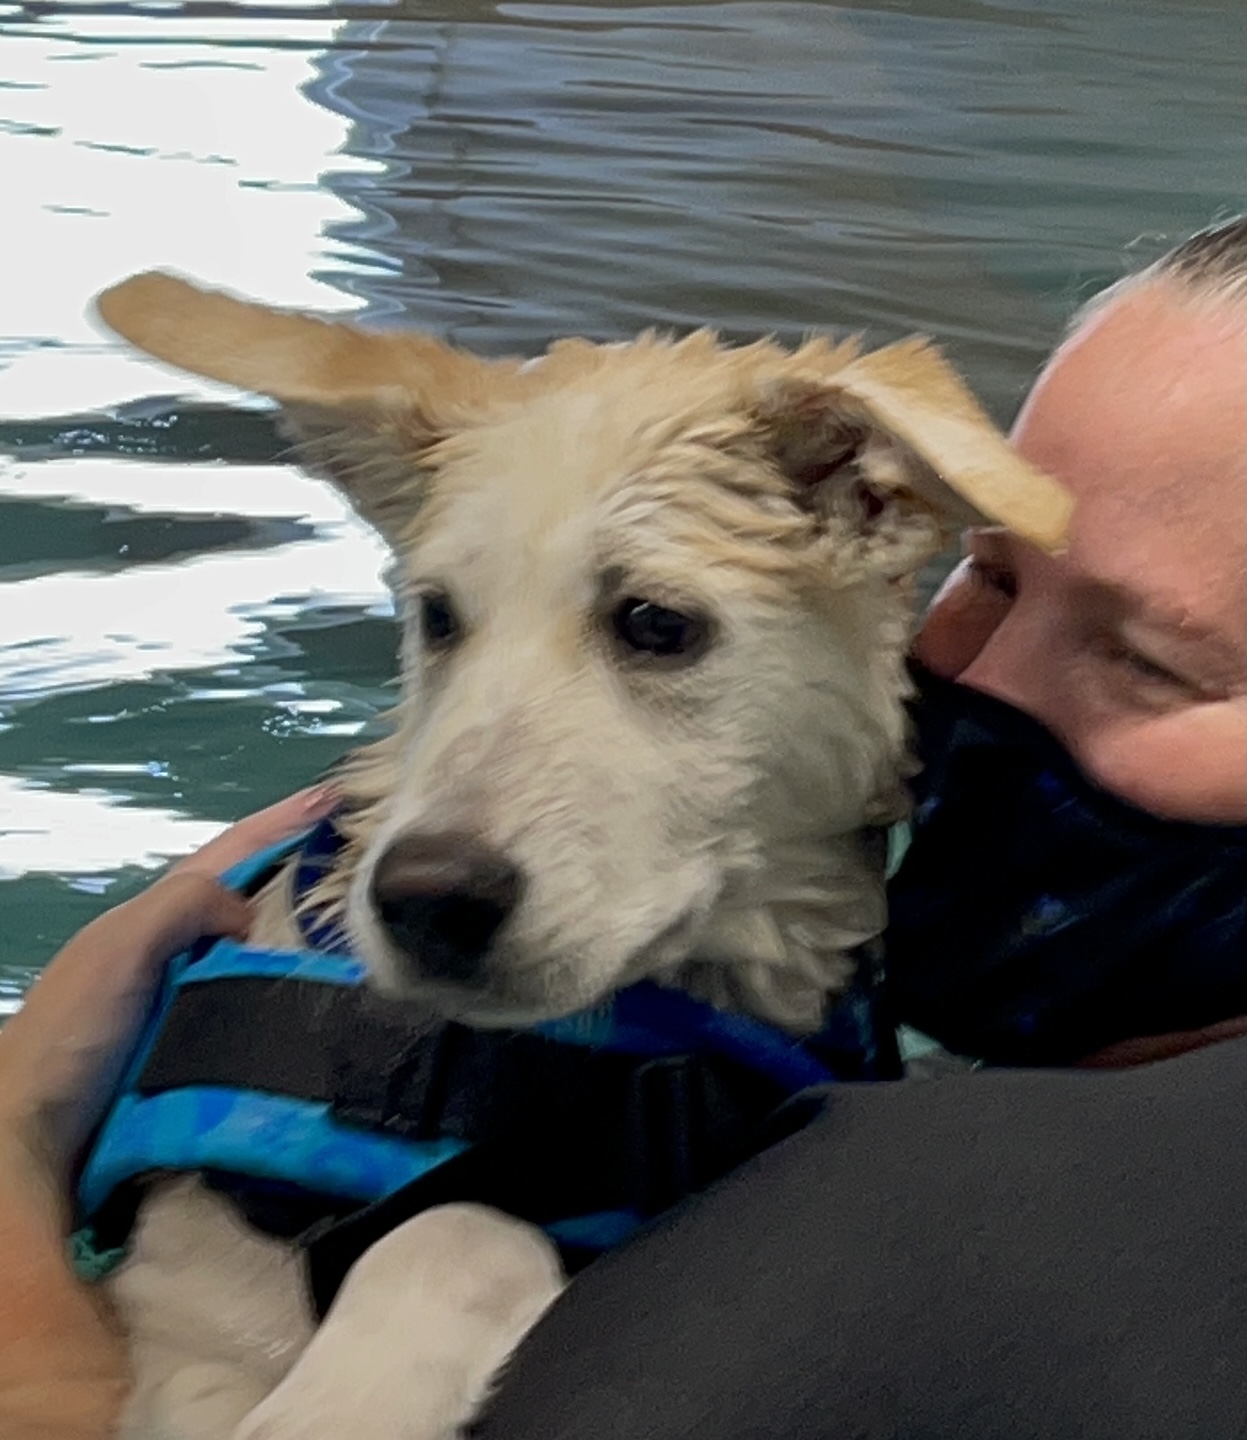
(1142, 415)
(1153, 376)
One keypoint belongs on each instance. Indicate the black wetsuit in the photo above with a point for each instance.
(1007, 1255)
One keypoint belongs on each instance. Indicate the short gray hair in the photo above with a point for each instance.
(1212, 263)
(1210, 267)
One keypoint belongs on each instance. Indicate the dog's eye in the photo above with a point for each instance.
(652, 629)
(438, 621)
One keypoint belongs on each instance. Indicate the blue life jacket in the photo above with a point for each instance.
(331, 1113)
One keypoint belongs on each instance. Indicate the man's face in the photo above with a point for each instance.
(1132, 645)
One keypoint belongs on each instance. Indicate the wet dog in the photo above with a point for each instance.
(656, 599)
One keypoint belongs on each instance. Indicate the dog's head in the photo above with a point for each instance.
(655, 601)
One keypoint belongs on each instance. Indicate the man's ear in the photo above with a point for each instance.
(888, 440)
(363, 407)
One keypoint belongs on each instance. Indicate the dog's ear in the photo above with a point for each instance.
(363, 407)
(894, 444)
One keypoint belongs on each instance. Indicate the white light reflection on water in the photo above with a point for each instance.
(88, 832)
(127, 143)
(74, 630)
(131, 142)
(143, 487)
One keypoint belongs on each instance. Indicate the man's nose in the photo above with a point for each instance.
(958, 623)
(1014, 665)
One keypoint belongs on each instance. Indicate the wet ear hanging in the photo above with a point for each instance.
(295, 358)
(901, 421)
(366, 406)
(362, 405)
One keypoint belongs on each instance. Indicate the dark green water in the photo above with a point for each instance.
(188, 629)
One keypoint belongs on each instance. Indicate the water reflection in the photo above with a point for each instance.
(90, 832)
(134, 597)
(958, 167)
(129, 141)
(182, 639)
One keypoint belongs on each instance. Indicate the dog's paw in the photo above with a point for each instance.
(411, 1346)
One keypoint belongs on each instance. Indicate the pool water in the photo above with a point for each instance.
(188, 628)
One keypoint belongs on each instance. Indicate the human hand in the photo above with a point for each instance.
(63, 1368)
(62, 1054)
(1147, 1049)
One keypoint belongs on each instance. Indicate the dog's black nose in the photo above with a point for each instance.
(442, 897)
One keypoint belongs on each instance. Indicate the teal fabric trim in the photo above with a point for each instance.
(231, 959)
(239, 876)
(596, 1232)
(266, 1137)
(89, 1262)
(898, 843)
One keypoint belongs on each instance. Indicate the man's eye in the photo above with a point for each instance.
(1145, 669)
(439, 624)
(650, 629)
(998, 578)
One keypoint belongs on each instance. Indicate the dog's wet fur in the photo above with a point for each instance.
(655, 601)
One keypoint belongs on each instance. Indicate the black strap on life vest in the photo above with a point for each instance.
(599, 1132)
(556, 1130)
(391, 1066)
(662, 1139)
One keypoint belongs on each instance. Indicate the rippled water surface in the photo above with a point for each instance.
(187, 627)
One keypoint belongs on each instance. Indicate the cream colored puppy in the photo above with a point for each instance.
(656, 599)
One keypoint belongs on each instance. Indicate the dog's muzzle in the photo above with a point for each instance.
(441, 899)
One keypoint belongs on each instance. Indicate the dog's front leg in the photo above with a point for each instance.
(423, 1323)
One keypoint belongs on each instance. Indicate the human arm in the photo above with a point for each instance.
(63, 1371)
(1144, 1049)
(1038, 1255)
